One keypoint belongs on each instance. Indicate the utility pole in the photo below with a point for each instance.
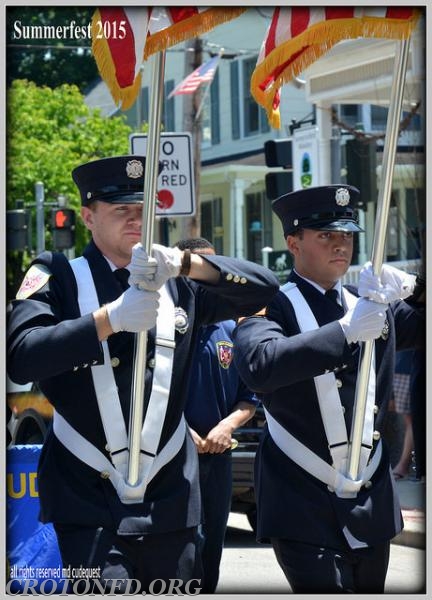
(192, 122)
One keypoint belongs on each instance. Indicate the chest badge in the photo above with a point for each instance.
(385, 331)
(181, 320)
(224, 353)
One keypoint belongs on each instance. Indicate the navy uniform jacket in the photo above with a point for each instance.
(274, 360)
(215, 386)
(50, 343)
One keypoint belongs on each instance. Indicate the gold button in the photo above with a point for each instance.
(151, 363)
(105, 474)
(368, 485)
(115, 361)
(376, 435)
(229, 276)
(338, 383)
(243, 280)
(376, 409)
(107, 448)
(236, 278)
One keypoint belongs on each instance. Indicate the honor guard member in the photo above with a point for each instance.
(329, 533)
(72, 328)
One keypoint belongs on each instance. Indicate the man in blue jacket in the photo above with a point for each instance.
(330, 534)
(72, 329)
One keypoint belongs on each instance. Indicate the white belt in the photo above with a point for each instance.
(329, 400)
(90, 455)
(107, 394)
(315, 465)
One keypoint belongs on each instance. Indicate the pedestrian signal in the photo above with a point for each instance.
(17, 229)
(63, 228)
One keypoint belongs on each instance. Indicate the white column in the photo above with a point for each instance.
(323, 115)
(237, 187)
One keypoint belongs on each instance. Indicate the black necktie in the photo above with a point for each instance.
(333, 295)
(122, 276)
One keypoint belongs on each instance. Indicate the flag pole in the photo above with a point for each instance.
(378, 248)
(147, 234)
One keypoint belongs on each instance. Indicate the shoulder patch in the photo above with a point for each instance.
(35, 278)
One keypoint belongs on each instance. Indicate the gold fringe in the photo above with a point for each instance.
(313, 43)
(101, 52)
(191, 27)
(179, 32)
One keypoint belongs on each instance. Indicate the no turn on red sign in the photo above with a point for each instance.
(175, 184)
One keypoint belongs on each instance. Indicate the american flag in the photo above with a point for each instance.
(122, 38)
(204, 74)
(299, 35)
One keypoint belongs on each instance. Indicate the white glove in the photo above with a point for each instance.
(135, 310)
(393, 284)
(151, 272)
(365, 321)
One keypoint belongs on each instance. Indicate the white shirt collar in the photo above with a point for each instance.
(337, 286)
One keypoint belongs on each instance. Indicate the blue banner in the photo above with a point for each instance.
(31, 547)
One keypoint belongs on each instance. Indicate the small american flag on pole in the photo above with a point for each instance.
(204, 74)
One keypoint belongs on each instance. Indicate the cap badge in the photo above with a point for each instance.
(342, 197)
(134, 169)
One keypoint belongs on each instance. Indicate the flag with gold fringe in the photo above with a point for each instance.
(122, 38)
(299, 35)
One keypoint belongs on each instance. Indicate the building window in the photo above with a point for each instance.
(247, 117)
(168, 107)
(379, 117)
(258, 225)
(350, 114)
(254, 117)
(211, 223)
(210, 113)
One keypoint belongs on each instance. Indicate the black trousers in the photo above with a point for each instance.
(161, 563)
(312, 569)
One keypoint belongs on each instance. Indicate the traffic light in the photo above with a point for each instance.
(361, 165)
(278, 153)
(17, 229)
(278, 184)
(63, 228)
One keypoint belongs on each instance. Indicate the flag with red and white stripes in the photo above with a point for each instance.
(122, 38)
(204, 74)
(299, 35)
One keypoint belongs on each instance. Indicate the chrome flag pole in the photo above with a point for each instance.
(147, 234)
(378, 249)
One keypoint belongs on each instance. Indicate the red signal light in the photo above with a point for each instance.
(61, 218)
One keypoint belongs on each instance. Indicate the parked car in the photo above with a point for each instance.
(243, 457)
(28, 414)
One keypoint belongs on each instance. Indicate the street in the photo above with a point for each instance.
(251, 568)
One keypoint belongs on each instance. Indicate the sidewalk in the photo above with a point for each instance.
(412, 495)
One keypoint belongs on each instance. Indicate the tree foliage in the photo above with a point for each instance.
(35, 55)
(50, 132)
